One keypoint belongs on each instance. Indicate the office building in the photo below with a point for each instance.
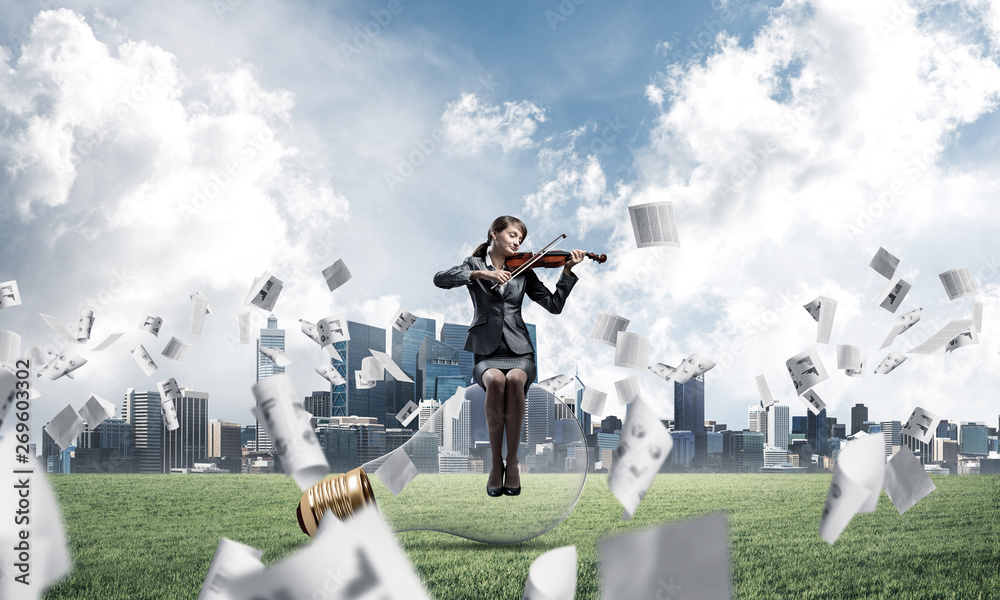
(972, 439)
(923, 452)
(611, 424)
(565, 409)
(683, 451)
(539, 417)
(428, 411)
(818, 432)
(438, 374)
(396, 437)
(708, 450)
(859, 414)
(224, 444)
(365, 402)
(187, 444)
(748, 449)
(757, 419)
(774, 456)
(871, 427)
(947, 430)
(319, 404)
(248, 437)
(370, 435)
(456, 434)
(339, 443)
(581, 415)
(269, 337)
(405, 346)
(689, 405)
(891, 432)
(454, 335)
(423, 451)
(777, 426)
(450, 461)
(142, 411)
(799, 425)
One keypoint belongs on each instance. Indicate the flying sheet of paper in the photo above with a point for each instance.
(688, 560)
(288, 424)
(10, 347)
(940, 339)
(144, 360)
(402, 320)
(642, 447)
(152, 324)
(397, 471)
(890, 362)
(663, 370)
(332, 330)
(58, 328)
(36, 357)
(628, 390)
(884, 263)
(84, 325)
(691, 367)
(967, 338)
(276, 356)
(49, 551)
(848, 357)
(593, 401)
(170, 396)
(356, 559)
(64, 427)
(806, 370)
(111, 339)
(96, 410)
(857, 482)
(63, 364)
(922, 425)
(310, 330)
(8, 394)
(893, 294)
(766, 399)
(977, 315)
(362, 384)
(555, 383)
(606, 328)
(958, 282)
(336, 274)
(199, 308)
(632, 351)
(372, 369)
(264, 291)
(906, 481)
(244, 325)
(813, 401)
(231, 560)
(653, 224)
(822, 310)
(9, 294)
(331, 374)
(552, 576)
(903, 322)
(407, 413)
(390, 365)
(453, 406)
(176, 350)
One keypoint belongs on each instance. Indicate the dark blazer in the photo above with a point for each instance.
(496, 312)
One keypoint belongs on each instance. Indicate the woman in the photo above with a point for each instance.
(498, 337)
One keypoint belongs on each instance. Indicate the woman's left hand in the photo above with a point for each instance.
(576, 257)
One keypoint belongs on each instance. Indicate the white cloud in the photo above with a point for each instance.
(470, 124)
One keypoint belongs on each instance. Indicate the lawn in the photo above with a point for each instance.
(153, 536)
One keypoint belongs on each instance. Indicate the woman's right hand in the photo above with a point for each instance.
(497, 276)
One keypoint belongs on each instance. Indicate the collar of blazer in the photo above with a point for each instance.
(502, 290)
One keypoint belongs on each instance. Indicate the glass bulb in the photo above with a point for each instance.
(552, 477)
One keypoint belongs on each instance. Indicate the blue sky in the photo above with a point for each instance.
(482, 109)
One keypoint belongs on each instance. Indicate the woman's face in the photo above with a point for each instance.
(508, 241)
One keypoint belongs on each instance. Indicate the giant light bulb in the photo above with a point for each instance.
(552, 477)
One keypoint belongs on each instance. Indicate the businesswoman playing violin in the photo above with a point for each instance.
(498, 337)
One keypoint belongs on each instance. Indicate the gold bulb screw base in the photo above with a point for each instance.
(343, 494)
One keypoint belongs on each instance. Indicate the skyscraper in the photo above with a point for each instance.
(539, 417)
(370, 402)
(187, 444)
(757, 419)
(405, 346)
(946, 430)
(318, 404)
(818, 433)
(777, 426)
(454, 334)
(891, 432)
(456, 434)
(689, 405)
(859, 414)
(581, 415)
(270, 337)
(437, 361)
(224, 444)
(972, 439)
(748, 451)
(142, 411)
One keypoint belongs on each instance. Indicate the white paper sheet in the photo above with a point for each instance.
(336, 274)
(692, 366)
(330, 373)
(63, 364)
(231, 560)
(244, 326)
(397, 471)
(64, 427)
(264, 292)
(903, 322)
(58, 328)
(893, 294)
(968, 337)
(632, 351)
(922, 425)
(111, 339)
(85, 325)
(552, 576)
(822, 310)
(593, 401)
(906, 481)
(389, 365)
(144, 360)
(10, 347)
(287, 423)
(152, 324)
(606, 328)
(884, 263)
(332, 330)
(555, 383)
(176, 350)
(958, 282)
(199, 308)
(806, 370)
(276, 356)
(857, 482)
(889, 363)
(642, 447)
(766, 399)
(407, 413)
(96, 410)
(628, 390)
(403, 320)
(653, 224)
(663, 370)
(9, 294)
(848, 357)
(170, 396)
(812, 401)
(939, 340)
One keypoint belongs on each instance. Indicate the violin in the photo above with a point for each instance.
(550, 260)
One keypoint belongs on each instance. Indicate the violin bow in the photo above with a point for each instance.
(534, 258)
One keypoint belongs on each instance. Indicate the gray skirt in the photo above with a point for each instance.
(504, 359)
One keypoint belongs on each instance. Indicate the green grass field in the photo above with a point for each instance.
(153, 536)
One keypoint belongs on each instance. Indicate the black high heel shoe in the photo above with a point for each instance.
(510, 491)
(494, 492)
